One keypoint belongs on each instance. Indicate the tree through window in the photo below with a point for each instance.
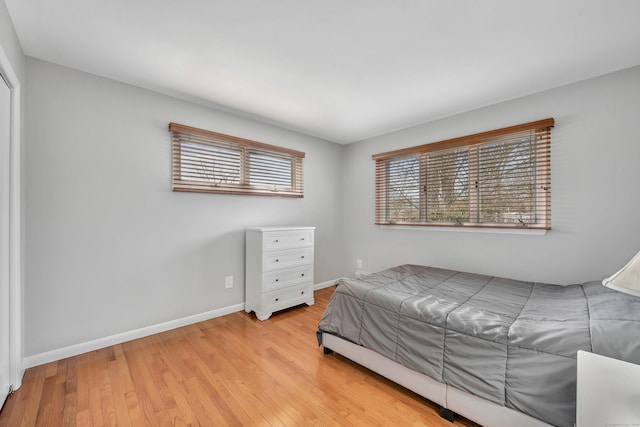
(499, 178)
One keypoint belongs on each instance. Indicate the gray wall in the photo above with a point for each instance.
(109, 247)
(595, 199)
(9, 42)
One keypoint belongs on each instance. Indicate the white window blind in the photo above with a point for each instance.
(500, 178)
(211, 162)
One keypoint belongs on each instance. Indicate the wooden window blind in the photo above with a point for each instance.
(211, 162)
(500, 179)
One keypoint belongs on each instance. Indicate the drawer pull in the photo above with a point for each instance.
(302, 257)
(277, 260)
(303, 238)
(302, 292)
(277, 240)
(277, 280)
(302, 274)
(277, 299)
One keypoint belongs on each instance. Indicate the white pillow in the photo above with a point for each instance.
(627, 279)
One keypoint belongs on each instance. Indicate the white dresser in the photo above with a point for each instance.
(279, 269)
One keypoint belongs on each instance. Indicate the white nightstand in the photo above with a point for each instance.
(608, 392)
(279, 269)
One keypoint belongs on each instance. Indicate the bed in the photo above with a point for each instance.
(497, 351)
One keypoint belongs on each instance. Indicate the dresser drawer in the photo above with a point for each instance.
(289, 277)
(276, 260)
(287, 297)
(287, 239)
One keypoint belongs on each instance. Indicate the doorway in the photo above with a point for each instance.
(5, 239)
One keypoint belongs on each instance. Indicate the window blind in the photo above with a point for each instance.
(500, 178)
(211, 162)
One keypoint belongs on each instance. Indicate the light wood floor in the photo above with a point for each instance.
(229, 371)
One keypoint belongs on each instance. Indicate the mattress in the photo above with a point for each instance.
(510, 342)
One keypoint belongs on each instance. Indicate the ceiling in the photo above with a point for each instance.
(341, 70)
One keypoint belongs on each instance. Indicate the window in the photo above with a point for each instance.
(499, 178)
(210, 162)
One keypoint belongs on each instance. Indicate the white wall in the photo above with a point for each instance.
(109, 247)
(595, 197)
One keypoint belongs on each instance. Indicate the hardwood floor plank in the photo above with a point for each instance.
(83, 416)
(28, 402)
(233, 370)
(94, 364)
(146, 393)
(44, 409)
(118, 390)
(70, 408)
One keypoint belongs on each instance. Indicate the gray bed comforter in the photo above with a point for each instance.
(509, 342)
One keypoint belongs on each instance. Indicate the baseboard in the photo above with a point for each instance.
(76, 349)
(326, 284)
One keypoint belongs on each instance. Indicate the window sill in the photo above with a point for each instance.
(485, 230)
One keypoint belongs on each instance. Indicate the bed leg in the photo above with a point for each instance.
(447, 414)
(326, 350)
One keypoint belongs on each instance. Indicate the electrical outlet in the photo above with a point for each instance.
(359, 263)
(228, 282)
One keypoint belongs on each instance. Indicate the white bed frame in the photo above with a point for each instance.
(474, 408)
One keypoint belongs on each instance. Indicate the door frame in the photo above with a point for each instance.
(15, 226)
